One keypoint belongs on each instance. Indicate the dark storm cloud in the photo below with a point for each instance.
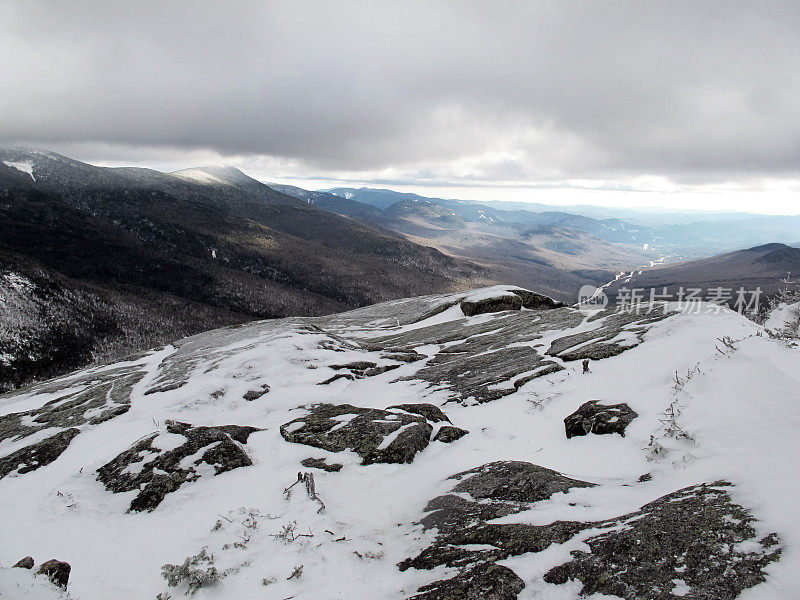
(485, 91)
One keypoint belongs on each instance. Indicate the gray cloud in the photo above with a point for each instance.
(701, 91)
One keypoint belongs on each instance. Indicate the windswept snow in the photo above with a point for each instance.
(736, 408)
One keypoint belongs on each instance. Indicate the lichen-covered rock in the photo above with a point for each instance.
(319, 463)
(24, 563)
(57, 572)
(155, 472)
(465, 539)
(378, 436)
(514, 481)
(494, 304)
(693, 543)
(449, 433)
(593, 417)
(38, 454)
(486, 581)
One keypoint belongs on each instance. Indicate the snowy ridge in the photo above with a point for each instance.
(716, 398)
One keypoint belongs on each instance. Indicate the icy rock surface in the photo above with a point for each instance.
(155, 473)
(593, 417)
(377, 436)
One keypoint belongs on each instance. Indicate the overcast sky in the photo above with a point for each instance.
(670, 103)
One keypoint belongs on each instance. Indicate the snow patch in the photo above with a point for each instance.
(25, 166)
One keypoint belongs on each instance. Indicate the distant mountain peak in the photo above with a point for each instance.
(213, 175)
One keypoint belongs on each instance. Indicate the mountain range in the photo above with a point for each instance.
(686, 234)
(132, 258)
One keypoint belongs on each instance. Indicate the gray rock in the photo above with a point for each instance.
(696, 535)
(363, 431)
(103, 395)
(491, 305)
(514, 481)
(449, 433)
(319, 463)
(593, 417)
(359, 370)
(25, 563)
(535, 301)
(37, 455)
(163, 473)
(347, 376)
(432, 413)
(57, 572)
(598, 343)
(251, 395)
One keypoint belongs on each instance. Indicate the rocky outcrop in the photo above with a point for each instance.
(593, 417)
(480, 376)
(37, 455)
(485, 581)
(615, 333)
(100, 396)
(465, 539)
(156, 473)
(494, 304)
(358, 370)
(695, 542)
(534, 301)
(484, 360)
(56, 571)
(431, 412)
(378, 436)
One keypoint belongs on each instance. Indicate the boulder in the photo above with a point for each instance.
(25, 563)
(378, 436)
(491, 305)
(449, 433)
(251, 395)
(535, 301)
(57, 572)
(593, 417)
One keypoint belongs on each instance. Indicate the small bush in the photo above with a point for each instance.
(196, 572)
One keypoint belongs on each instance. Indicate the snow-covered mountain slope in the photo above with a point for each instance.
(191, 456)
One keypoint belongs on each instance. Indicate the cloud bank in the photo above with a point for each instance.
(449, 92)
